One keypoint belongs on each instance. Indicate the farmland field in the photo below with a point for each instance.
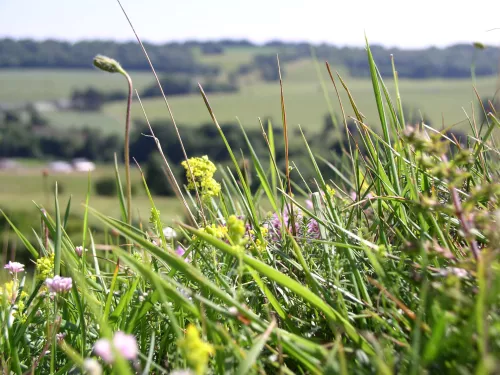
(306, 104)
(20, 85)
(19, 189)
(441, 100)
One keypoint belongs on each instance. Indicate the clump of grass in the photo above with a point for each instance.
(391, 267)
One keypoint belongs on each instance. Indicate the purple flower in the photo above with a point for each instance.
(59, 284)
(313, 229)
(14, 267)
(180, 251)
(125, 345)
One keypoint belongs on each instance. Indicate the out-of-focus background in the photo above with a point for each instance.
(60, 117)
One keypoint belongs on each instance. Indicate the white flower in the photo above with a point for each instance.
(169, 233)
(92, 367)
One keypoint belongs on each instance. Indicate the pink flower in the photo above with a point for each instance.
(102, 348)
(125, 345)
(14, 267)
(60, 336)
(59, 284)
(79, 250)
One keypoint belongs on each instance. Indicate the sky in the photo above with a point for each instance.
(404, 24)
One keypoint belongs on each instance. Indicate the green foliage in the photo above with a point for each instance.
(389, 265)
(156, 176)
(106, 186)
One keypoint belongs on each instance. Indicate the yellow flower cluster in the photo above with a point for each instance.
(260, 245)
(45, 267)
(203, 172)
(195, 350)
(219, 231)
(19, 313)
(236, 230)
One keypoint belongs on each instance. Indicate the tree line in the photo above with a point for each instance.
(451, 62)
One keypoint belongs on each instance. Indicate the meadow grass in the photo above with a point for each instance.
(390, 267)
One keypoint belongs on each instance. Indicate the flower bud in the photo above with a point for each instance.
(107, 64)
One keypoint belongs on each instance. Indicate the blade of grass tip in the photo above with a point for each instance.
(285, 135)
(66, 213)
(163, 94)
(24, 240)
(119, 191)
(323, 88)
(398, 95)
(172, 179)
(251, 359)
(57, 239)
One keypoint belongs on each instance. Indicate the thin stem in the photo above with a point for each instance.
(127, 151)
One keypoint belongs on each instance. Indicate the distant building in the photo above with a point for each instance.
(83, 165)
(60, 167)
(8, 164)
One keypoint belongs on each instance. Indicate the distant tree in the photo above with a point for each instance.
(35, 118)
(171, 85)
(87, 100)
(212, 48)
(156, 178)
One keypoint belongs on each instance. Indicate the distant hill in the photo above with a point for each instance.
(194, 57)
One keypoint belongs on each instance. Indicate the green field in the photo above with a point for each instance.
(20, 85)
(19, 189)
(306, 105)
(439, 99)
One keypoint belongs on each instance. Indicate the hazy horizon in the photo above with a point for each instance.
(430, 24)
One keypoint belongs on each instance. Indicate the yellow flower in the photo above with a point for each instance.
(195, 350)
(330, 190)
(236, 229)
(45, 267)
(203, 171)
(9, 290)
